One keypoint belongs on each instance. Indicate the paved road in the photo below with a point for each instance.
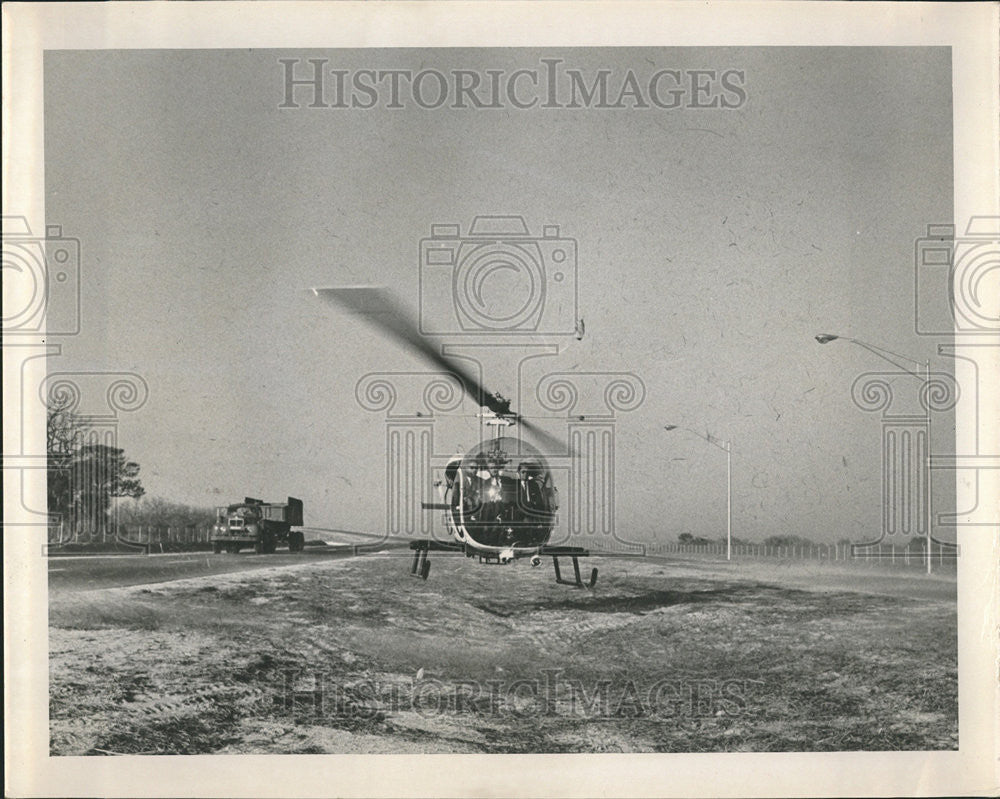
(89, 572)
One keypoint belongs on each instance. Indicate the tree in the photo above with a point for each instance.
(98, 474)
(64, 432)
(83, 475)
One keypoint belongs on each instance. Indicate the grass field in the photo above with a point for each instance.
(354, 656)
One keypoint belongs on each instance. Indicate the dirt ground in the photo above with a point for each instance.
(354, 656)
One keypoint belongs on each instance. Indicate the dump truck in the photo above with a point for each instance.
(258, 524)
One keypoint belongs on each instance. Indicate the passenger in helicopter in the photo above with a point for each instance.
(530, 496)
(477, 487)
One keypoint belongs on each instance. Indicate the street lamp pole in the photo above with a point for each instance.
(727, 447)
(925, 378)
(729, 500)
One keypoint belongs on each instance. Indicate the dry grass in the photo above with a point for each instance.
(326, 658)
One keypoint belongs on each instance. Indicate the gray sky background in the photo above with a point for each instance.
(713, 245)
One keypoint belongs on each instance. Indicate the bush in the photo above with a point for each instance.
(158, 512)
(691, 540)
(788, 541)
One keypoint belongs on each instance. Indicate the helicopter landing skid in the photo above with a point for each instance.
(575, 553)
(421, 566)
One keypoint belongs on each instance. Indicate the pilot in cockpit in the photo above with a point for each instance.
(530, 490)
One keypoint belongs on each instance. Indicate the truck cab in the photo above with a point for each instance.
(258, 524)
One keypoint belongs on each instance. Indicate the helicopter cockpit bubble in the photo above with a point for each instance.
(451, 470)
(506, 494)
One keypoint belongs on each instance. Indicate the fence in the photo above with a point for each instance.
(881, 554)
(137, 534)
(152, 535)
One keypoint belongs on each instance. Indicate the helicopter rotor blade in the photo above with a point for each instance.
(550, 442)
(380, 308)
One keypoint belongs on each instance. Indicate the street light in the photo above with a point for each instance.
(727, 447)
(883, 353)
(925, 378)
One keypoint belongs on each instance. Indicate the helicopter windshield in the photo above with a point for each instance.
(507, 481)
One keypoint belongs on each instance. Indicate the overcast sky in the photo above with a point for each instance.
(713, 244)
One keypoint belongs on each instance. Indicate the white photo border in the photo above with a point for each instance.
(30, 29)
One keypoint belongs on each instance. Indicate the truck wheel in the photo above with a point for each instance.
(216, 547)
(258, 547)
(269, 544)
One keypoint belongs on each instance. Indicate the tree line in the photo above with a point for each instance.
(92, 483)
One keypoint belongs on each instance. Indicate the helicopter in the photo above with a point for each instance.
(499, 499)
